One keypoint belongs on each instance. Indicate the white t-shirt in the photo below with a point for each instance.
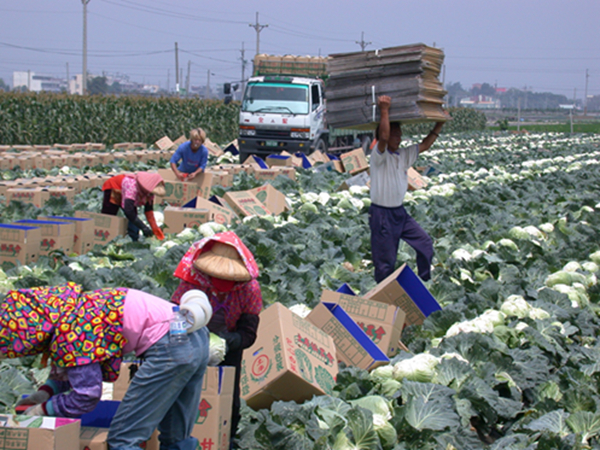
(389, 175)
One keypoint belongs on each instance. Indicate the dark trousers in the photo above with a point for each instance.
(388, 226)
(110, 208)
(234, 358)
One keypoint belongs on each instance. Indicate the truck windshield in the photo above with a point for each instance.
(281, 98)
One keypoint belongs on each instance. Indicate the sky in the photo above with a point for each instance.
(538, 45)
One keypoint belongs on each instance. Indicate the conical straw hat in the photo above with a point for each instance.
(159, 190)
(222, 261)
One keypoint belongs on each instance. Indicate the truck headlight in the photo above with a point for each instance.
(300, 133)
(247, 131)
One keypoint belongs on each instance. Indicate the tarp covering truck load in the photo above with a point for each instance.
(283, 108)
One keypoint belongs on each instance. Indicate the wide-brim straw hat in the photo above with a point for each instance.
(159, 190)
(222, 261)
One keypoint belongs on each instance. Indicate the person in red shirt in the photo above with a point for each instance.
(225, 270)
(130, 191)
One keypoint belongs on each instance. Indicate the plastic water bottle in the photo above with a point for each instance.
(178, 327)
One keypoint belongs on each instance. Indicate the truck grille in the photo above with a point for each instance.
(272, 134)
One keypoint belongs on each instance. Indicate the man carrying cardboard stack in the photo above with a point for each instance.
(388, 219)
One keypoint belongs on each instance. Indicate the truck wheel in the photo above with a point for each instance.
(321, 145)
(366, 145)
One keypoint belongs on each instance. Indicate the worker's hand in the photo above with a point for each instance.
(233, 339)
(147, 231)
(35, 410)
(384, 102)
(181, 176)
(34, 399)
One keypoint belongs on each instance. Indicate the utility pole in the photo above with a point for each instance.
(362, 42)
(68, 84)
(84, 75)
(585, 99)
(258, 28)
(243, 69)
(207, 96)
(176, 70)
(187, 81)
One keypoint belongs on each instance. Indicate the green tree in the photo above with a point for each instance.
(455, 93)
(97, 86)
(3, 86)
(485, 89)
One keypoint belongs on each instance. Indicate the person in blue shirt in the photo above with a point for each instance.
(191, 157)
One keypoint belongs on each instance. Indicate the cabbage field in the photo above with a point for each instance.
(512, 361)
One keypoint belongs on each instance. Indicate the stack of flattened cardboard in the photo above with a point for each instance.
(408, 74)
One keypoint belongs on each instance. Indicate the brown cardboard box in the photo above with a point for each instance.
(405, 289)
(415, 180)
(354, 161)
(383, 323)
(84, 232)
(165, 143)
(55, 235)
(122, 146)
(39, 433)
(106, 227)
(19, 244)
(271, 198)
(245, 203)
(94, 438)
(219, 214)
(204, 181)
(179, 193)
(25, 162)
(177, 218)
(318, 156)
(274, 172)
(359, 179)
(213, 149)
(180, 140)
(33, 195)
(353, 346)
(291, 360)
(221, 177)
(212, 428)
(279, 160)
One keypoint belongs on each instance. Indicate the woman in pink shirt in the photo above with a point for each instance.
(86, 334)
(129, 192)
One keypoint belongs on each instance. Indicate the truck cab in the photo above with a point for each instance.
(282, 113)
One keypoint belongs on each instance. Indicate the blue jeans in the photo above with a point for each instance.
(164, 394)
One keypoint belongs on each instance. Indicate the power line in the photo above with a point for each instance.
(169, 12)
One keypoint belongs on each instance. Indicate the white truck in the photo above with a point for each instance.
(284, 108)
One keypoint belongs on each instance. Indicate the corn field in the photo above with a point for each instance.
(46, 119)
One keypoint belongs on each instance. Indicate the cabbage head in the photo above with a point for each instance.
(420, 367)
(217, 350)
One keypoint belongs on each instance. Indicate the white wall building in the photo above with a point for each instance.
(38, 83)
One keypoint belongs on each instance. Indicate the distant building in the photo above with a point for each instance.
(150, 88)
(480, 102)
(38, 83)
(76, 85)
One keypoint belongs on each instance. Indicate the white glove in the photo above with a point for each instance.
(196, 307)
(35, 410)
(34, 399)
